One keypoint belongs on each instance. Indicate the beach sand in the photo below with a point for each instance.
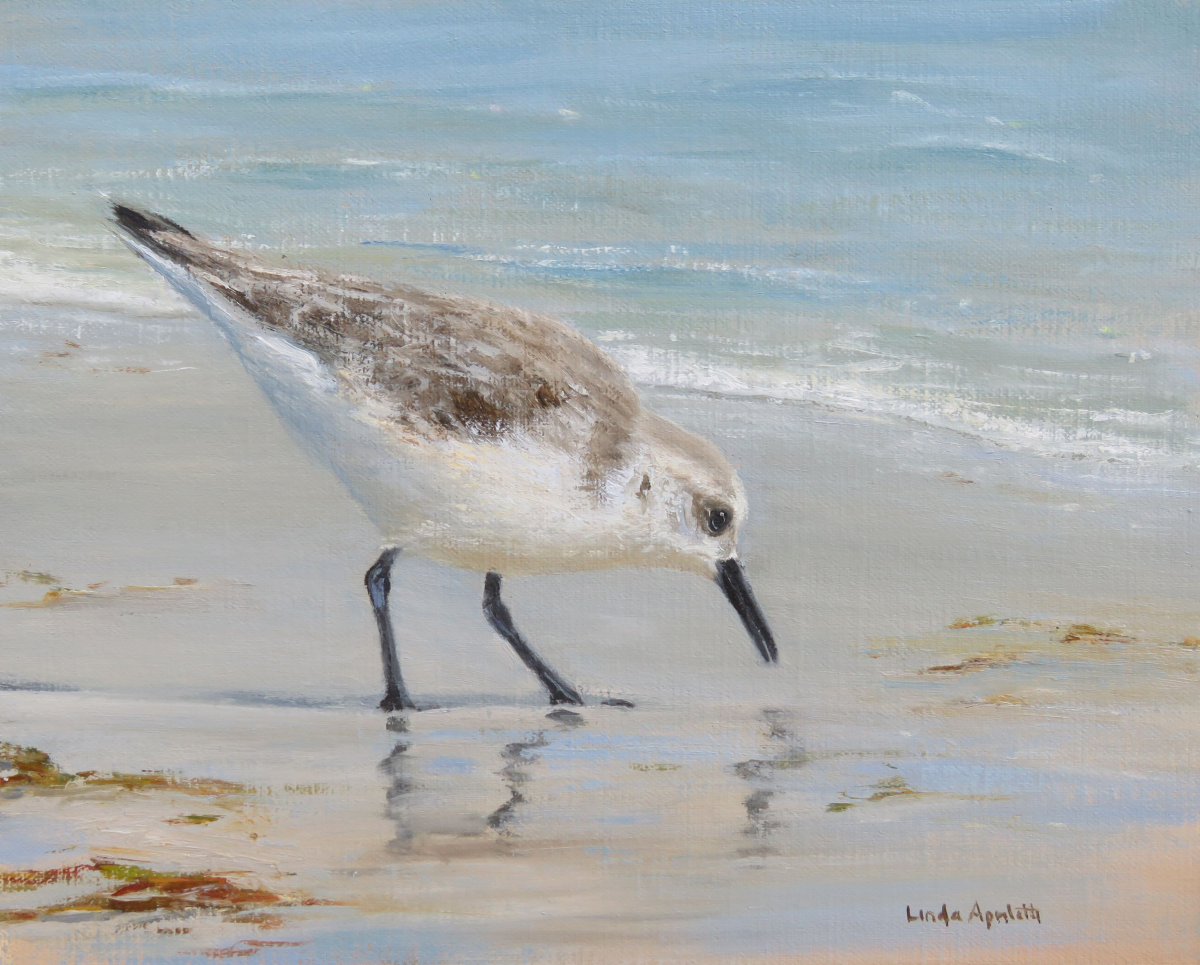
(986, 696)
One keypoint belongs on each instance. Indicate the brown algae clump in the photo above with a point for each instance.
(137, 889)
(32, 880)
(50, 598)
(965, 623)
(987, 661)
(130, 889)
(1003, 700)
(146, 890)
(1086, 633)
(29, 767)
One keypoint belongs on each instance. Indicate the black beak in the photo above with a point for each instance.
(731, 578)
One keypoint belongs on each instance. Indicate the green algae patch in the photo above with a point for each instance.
(30, 768)
(891, 787)
(195, 819)
(119, 872)
(33, 576)
(159, 781)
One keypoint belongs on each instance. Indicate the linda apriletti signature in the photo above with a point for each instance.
(988, 917)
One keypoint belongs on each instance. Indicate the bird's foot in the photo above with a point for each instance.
(393, 701)
(565, 695)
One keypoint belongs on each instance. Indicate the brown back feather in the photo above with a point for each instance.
(437, 364)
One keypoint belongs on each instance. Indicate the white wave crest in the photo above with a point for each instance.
(1081, 433)
(904, 97)
(811, 280)
(34, 284)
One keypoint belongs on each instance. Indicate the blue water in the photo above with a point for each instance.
(978, 214)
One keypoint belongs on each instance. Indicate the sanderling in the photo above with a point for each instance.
(486, 437)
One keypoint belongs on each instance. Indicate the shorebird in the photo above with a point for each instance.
(486, 437)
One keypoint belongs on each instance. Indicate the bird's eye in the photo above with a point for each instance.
(717, 520)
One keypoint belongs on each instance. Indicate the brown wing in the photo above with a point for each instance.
(435, 364)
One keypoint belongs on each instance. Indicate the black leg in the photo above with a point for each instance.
(498, 616)
(379, 584)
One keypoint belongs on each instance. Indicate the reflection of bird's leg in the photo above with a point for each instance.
(379, 585)
(498, 616)
(763, 776)
(398, 767)
(515, 755)
(758, 807)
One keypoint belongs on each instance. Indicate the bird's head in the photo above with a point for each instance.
(687, 506)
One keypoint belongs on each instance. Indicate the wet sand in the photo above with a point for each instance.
(986, 695)
(733, 833)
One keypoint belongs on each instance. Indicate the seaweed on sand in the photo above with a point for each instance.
(28, 767)
(137, 889)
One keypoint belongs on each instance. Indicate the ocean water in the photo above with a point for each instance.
(975, 214)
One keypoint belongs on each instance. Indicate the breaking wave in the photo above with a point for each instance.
(1046, 427)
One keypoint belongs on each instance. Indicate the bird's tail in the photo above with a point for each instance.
(160, 235)
(192, 266)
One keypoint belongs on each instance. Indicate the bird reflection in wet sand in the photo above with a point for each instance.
(419, 810)
(399, 769)
(516, 755)
(763, 776)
